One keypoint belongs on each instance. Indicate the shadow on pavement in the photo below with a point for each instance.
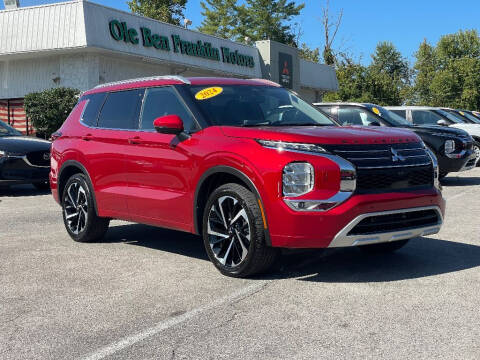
(421, 257)
(176, 242)
(460, 181)
(21, 190)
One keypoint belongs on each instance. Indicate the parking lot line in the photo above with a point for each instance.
(164, 325)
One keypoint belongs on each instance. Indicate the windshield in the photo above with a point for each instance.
(7, 130)
(449, 116)
(470, 118)
(389, 116)
(248, 105)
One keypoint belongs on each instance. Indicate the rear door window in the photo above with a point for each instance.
(164, 101)
(424, 117)
(94, 103)
(121, 110)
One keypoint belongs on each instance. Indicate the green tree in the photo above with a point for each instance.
(388, 76)
(220, 18)
(169, 11)
(449, 73)
(267, 20)
(352, 82)
(424, 70)
(48, 109)
(309, 54)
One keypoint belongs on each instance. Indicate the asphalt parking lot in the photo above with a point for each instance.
(149, 293)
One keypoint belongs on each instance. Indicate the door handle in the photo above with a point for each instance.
(135, 140)
(87, 137)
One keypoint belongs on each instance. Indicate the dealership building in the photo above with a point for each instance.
(81, 44)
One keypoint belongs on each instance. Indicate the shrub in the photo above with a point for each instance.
(48, 109)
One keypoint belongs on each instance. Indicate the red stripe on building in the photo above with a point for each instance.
(12, 112)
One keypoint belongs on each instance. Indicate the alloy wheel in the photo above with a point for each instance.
(76, 207)
(229, 231)
(476, 149)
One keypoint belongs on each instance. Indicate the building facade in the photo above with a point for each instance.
(81, 44)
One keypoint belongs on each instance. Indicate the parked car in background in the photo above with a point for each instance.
(23, 159)
(474, 116)
(246, 164)
(465, 115)
(452, 147)
(421, 115)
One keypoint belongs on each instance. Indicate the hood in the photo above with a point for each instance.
(23, 144)
(437, 129)
(472, 129)
(324, 134)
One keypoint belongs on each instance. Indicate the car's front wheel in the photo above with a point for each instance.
(233, 232)
(383, 248)
(79, 215)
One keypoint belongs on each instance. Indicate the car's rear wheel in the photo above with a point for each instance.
(79, 215)
(383, 248)
(233, 232)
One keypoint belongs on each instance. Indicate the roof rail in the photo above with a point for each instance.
(151, 78)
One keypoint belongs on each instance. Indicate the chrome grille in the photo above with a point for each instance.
(39, 158)
(388, 167)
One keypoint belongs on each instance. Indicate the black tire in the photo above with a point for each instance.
(42, 185)
(245, 233)
(93, 227)
(476, 149)
(383, 248)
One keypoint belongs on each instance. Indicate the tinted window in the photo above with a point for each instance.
(164, 101)
(94, 103)
(355, 116)
(7, 130)
(425, 117)
(402, 113)
(121, 110)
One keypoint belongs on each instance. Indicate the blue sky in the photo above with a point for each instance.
(405, 23)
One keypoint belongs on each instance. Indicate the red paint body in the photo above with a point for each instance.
(151, 178)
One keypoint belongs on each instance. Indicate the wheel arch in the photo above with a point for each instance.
(70, 168)
(212, 179)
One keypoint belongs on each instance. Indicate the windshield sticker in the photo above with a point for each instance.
(208, 93)
(376, 111)
(462, 113)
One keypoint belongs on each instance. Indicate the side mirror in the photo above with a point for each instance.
(442, 122)
(168, 124)
(374, 123)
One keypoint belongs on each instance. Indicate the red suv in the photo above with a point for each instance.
(245, 163)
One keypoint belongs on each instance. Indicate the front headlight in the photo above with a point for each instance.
(298, 178)
(449, 146)
(281, 146)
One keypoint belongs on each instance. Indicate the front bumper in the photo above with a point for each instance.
(18, 170)
(293, 229)
(345, 237)
(466, 162)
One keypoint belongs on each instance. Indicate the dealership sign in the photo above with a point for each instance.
(121, 32)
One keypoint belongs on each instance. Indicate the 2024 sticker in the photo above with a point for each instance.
(208, 93)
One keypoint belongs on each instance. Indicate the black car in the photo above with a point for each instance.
(23, 159)
(453, 147)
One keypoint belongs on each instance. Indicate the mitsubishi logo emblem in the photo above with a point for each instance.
(396, 156)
